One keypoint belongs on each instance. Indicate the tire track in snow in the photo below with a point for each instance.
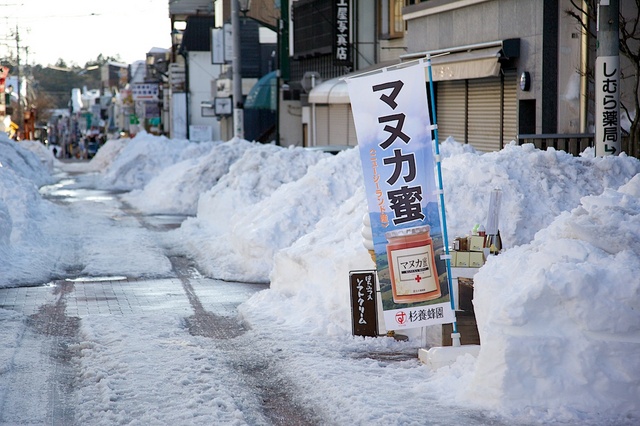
(255, 367)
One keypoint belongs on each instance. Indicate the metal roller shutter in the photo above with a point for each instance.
(451, 110)
(338, 124)
(322, 125)
(335, 125)
(510, 107)
(484, 113)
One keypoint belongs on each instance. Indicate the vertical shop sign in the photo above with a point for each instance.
(364, 316)
(394, 134)
(342, 33)
(607, 105)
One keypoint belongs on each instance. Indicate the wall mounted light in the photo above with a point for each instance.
(525, 81)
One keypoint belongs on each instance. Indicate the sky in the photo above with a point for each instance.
(557, 310)
(79, 30)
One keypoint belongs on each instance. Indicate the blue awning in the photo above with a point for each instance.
(264, 94)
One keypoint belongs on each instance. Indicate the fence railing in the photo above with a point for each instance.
(572, 143)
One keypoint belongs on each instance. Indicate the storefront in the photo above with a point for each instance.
(476, 98)
(476, 92)
(481, 112)
(329, 120)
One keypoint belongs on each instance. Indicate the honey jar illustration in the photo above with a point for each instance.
(412, 265)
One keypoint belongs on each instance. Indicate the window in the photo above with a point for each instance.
(391, 23)
(397, 23)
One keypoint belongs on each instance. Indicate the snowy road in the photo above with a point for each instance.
(112, 349)
(132, 333)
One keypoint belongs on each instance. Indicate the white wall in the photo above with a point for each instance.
(201, 73)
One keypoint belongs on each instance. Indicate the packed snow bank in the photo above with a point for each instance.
(143, 157)
(26, 252)
(259, 207)
(26, 159)
(184, 182)
(310, 276)
(536, 186)
(559, 318)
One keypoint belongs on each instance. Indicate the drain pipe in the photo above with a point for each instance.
(584, 68)
(314, 133)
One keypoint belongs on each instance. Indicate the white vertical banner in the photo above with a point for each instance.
(607, 120)
(217, 46)
(391, 116)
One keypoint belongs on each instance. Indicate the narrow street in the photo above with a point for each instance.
(188, 351)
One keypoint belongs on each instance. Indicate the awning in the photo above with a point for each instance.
(461, 65)
(332, 91)
(263, 94)
(464, 65)
(335, 91)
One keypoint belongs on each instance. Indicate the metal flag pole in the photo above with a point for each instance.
(455, 336)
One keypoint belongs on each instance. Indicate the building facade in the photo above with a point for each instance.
(504, 70)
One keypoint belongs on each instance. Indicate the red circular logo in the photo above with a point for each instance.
(401, 317)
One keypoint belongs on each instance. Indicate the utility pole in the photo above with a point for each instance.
(238, 109)
(607, 82)
(284, 40)
(18, 76)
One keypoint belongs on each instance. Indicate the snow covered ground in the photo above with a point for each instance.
(558, 312)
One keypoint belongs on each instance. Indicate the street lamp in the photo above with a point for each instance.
(244, 6)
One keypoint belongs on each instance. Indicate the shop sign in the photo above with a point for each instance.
(145, 92)
(217, 46)
(607, 134)
(364, 314)
(342, 33)
(394, 133)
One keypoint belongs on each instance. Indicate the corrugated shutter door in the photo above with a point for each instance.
(338, 124)
(485, 132)
(450, 110)
(510, 106)
(322, 125)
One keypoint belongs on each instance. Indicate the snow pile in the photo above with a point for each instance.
(310, 276)
(107, 153)
(254, 210)
(184, 182)
(26, 252)
(144, 157)
(559, 318)
(26, 160)
(310, 272)
(536, 187)
(42, 153)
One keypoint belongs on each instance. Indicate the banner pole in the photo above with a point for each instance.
(455, 336)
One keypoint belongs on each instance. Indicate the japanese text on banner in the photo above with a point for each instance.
(393, 128)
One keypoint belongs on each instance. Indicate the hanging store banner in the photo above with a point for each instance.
(394, 135)
(607, 123)
(342, 33)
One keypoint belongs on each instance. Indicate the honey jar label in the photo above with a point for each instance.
(413, 270)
